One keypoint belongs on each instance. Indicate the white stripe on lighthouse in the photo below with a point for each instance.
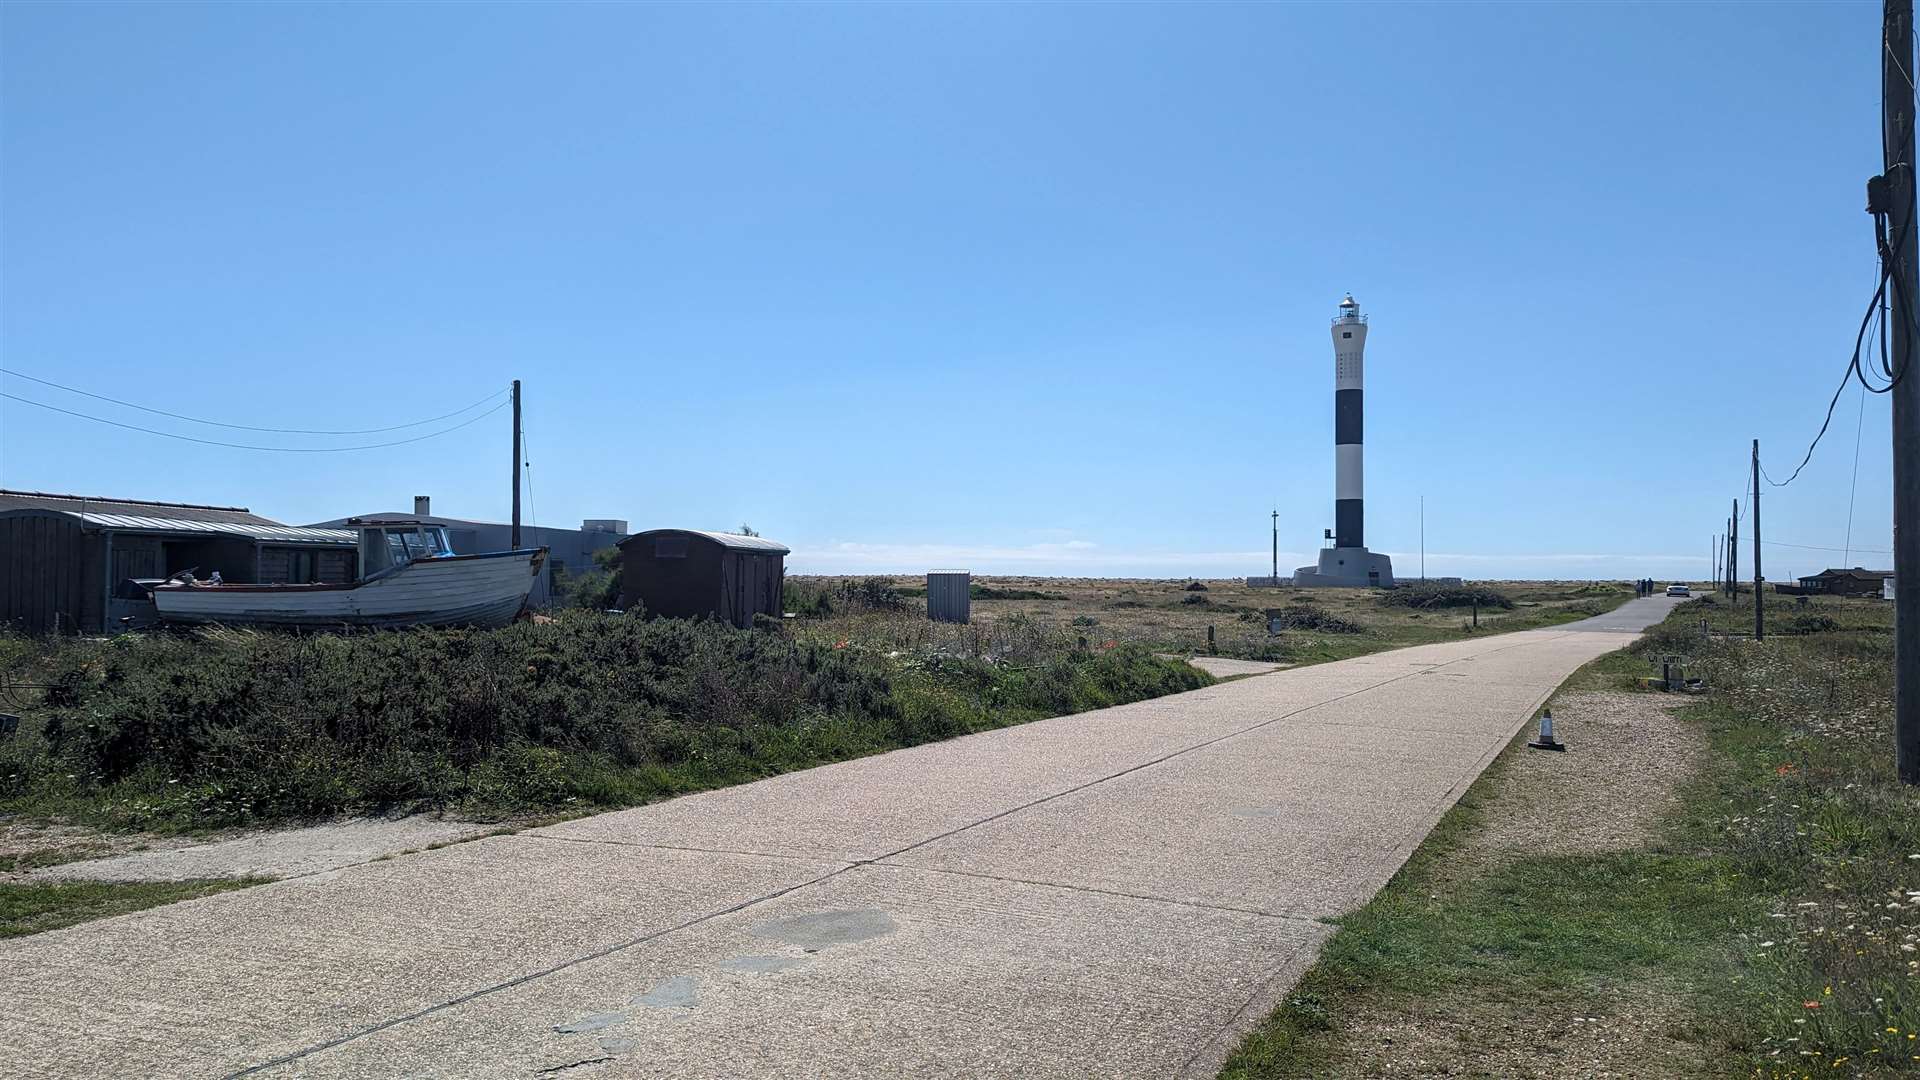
(1349, 474)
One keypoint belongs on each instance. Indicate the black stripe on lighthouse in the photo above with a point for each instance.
(1346, 417)
(1349, 515)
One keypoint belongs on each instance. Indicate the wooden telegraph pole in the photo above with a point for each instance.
(1733, 555)
(516, 465)
(1896, 102)
(1759, 601)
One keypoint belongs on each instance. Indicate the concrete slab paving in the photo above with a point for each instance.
(909, 973)
(1090, 895)
(1222, 667)
(211, 986)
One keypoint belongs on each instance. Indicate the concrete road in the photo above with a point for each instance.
(1119, 893)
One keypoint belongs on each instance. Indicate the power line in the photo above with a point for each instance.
(244, 427)
(526, 454)
(1885, 245)
(1853, 487)
(248, 446)
(1816, 547)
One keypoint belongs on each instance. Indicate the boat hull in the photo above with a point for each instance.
(461, 590)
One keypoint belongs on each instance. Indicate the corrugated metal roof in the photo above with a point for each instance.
(277, 534)
(724, 539)
(86, 504)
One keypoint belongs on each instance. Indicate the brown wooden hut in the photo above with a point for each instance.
(1853, 582)
(687, 573)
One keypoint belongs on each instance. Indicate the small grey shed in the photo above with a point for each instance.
(949, 595)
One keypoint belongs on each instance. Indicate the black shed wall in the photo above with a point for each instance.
(51, 574)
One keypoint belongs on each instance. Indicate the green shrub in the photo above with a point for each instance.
(1429, 596)
(876, 594)
(223, 727)
(989, 592)
(1308, 617)
(597, 589)
(806, 599)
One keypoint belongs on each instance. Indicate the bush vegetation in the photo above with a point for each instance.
(1427, 597)
(590, 710)
(597, 589)
(1308, 617)
(990, 592)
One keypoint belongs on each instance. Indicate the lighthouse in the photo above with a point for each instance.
(1346, 560)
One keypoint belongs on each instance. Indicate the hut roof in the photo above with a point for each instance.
(725, 539)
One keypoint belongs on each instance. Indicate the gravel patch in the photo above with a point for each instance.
(281, 853)
(26, 845)
(1626, 756)
(1627, 1036)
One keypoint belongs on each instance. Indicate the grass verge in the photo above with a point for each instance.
(1771, 921)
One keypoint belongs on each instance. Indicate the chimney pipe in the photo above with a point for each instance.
(422, 506)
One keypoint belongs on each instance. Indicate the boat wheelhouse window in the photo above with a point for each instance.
(669, 547)
(402, 546)
(383, 549)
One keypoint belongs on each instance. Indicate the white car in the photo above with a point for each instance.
(1678, 590)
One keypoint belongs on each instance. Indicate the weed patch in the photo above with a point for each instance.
(32, 908)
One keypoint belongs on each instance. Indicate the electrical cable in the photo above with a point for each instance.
(1816, 547)
(1853, 486)
(1888, 245)
(527, 465)
(248, 446)
(246, 427)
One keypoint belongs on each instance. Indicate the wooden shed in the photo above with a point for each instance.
(64, 558)
(1854, 582)
(687, 573)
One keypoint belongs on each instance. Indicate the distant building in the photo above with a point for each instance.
(64, 558)
(687, 573)
(569, 551)
(1853, 582)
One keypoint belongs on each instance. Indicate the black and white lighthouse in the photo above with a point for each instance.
(1348, 562)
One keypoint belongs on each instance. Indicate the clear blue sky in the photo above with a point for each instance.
(1025, 288)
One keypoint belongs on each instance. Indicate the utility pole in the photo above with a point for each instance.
(1733, 556)
(1276, 547)
(515, 545)
(1423, 538)
(1759, 601)
(1726, 545)
(1896, 102)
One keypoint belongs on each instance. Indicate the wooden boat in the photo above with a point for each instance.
(409, 576)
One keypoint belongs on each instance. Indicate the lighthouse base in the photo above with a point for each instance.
(1346, 568)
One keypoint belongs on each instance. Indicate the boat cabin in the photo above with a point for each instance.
(387, 545)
